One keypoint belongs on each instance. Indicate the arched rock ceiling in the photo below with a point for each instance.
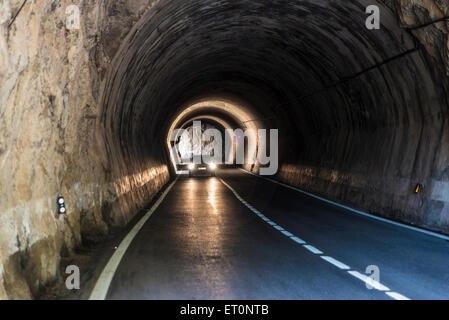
(308, 67)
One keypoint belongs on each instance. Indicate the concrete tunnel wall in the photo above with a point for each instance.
(363, 115)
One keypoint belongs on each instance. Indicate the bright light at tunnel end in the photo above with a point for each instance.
(213, 166)
(244, 147)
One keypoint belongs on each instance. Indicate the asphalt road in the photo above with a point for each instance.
(237, 236)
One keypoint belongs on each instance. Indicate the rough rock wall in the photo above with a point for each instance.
(49, 81)
(428, 20)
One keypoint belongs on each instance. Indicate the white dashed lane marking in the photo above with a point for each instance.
(313, 249)
(296, 239)
(367, 280)
(336, 263)
(396, 296)
(288, 234)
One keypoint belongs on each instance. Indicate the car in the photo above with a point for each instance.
(202, 169)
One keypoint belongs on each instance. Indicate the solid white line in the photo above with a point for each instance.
(104, 281)
(313, 249)
(396, 296)
(336, 263)
(430, 233)
(369, 281)
(279, 228)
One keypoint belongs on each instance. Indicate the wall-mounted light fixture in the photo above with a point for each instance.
(61, 206)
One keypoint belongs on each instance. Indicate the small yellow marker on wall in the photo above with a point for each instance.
(418, 188)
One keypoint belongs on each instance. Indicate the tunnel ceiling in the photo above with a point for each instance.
(308, 67)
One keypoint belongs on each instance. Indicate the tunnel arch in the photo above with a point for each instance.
(229, 115)
(337, 92)
(225, 128)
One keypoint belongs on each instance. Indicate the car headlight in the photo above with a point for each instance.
(191, 166)
(213, 166)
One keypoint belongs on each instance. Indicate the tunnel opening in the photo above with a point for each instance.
(237, 134)
(186, 146)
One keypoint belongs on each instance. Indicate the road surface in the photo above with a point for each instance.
(237, 236)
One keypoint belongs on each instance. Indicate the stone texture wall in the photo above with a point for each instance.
(429, 23)
(49, 82)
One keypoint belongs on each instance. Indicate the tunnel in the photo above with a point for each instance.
(362, 114)
(338, 93)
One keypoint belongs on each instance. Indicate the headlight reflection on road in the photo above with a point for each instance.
(212, 190)
(192, 193)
